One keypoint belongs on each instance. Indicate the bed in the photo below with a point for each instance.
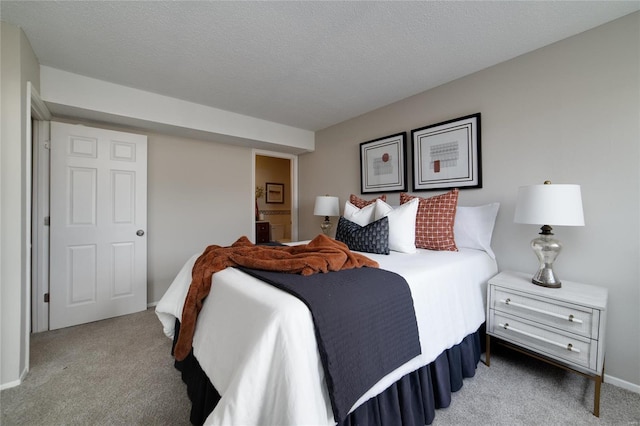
(255, 358)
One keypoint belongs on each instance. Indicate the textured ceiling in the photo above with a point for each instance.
(304, 64)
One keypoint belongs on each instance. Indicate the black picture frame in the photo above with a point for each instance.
(447, 155)
(383, 164)
(274, 193)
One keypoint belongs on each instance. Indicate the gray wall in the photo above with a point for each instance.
(198, 193)
(19, 65)
(568, 112)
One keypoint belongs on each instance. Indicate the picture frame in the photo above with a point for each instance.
(383, 164)
(447, 155)
(274, 193)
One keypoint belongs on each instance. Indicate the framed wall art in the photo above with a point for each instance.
(275, 193)
(383, 164)
(447, 155)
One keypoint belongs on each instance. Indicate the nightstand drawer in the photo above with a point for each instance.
(563, 316)
(544, 340)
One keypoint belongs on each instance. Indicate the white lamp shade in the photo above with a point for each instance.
(326, 206)
(550, 204)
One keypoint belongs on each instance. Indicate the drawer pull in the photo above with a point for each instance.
(570, 318)
(568, 347)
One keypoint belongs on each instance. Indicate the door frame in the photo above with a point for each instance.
(293, 172)
(37, 166)
(39, 227)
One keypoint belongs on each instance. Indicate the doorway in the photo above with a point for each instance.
(275, 181)
(124, 189)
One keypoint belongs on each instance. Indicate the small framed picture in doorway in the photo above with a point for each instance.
(275, 193)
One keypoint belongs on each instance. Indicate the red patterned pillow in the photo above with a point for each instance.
(360, 202)
(434, 221)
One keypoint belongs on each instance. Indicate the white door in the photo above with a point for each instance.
(98, 208)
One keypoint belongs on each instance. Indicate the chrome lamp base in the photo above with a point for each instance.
(326, 225)
(546, 249)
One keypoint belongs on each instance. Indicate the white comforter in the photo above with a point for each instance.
(257, 345)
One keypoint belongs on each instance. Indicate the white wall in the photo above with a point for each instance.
(569, 112)
(19, 65)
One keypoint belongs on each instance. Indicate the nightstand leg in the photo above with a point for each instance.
(487, 355)
(596, 397)
(596, 393)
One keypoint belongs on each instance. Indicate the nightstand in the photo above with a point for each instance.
(263, 232)
(561, 326)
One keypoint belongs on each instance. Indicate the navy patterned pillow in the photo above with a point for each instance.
(372, 238)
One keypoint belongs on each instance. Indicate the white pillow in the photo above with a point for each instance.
(473, 227)
(402, 224)
(362, 217)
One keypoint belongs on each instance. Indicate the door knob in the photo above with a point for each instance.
(140, 233)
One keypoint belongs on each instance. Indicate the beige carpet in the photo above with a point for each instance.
(113, 372)
(120, 372)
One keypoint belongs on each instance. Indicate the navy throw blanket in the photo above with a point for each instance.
(364, 322)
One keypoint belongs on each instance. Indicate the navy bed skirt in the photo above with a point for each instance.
(412, 400)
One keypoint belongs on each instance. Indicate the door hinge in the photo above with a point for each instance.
(46, 298)
(47, 144)
(46, 220)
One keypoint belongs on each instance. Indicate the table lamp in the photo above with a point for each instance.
(326, 206)
(548, 204)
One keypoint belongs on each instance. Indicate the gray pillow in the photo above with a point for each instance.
(372, 238)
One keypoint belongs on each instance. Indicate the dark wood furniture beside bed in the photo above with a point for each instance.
(263, 232)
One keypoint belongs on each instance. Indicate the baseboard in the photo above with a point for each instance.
(15, 383)
(152, 305)
(10, 385)
(622, 383)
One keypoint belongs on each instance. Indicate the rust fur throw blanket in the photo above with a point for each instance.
(322, 254)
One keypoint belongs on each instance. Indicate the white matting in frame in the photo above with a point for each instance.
(383, 164)
(447, 155)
